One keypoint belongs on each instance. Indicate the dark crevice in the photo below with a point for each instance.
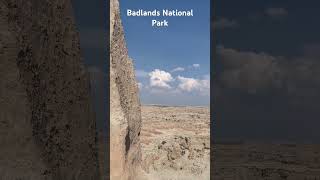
(127, 141)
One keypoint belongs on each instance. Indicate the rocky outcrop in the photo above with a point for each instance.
(125, 124)
(47, 128)
(175, 142)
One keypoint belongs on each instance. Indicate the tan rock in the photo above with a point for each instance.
(125, 125)
(46, 122)
(175, 142)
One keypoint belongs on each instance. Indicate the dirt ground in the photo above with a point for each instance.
(176, 142)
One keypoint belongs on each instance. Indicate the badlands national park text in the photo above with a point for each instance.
(158, 13)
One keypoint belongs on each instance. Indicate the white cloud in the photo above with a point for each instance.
(140, 85)
(196, 65)
(192, 84)
(178, 69)
(223, 23)
(276, 12)
(161, 79)
(248, 70)
(141, 73)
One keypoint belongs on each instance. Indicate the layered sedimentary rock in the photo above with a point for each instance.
(125, 125)
(47, 128)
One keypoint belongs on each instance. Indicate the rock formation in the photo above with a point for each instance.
(268, 161)
(175, 142)
(47, 128)
(125, 125)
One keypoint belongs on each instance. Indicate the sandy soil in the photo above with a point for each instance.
(176, 142)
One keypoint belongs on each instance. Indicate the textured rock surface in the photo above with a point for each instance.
(266, 161)
(176, 142)
(125, 125)
(47, 128)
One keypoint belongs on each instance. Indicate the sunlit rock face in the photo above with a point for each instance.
(47, 126)
(125, 124)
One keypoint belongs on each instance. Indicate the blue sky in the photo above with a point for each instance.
(172, 63)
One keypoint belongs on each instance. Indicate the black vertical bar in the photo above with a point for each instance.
(107, 58)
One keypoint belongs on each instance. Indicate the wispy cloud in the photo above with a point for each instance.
(223, 23)
(196, 65)
(276, 12)
(177, 69)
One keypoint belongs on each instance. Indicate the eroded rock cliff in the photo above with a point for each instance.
(47, 128)
(125, 125)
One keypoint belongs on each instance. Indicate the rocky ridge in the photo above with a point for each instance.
(125, 113)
